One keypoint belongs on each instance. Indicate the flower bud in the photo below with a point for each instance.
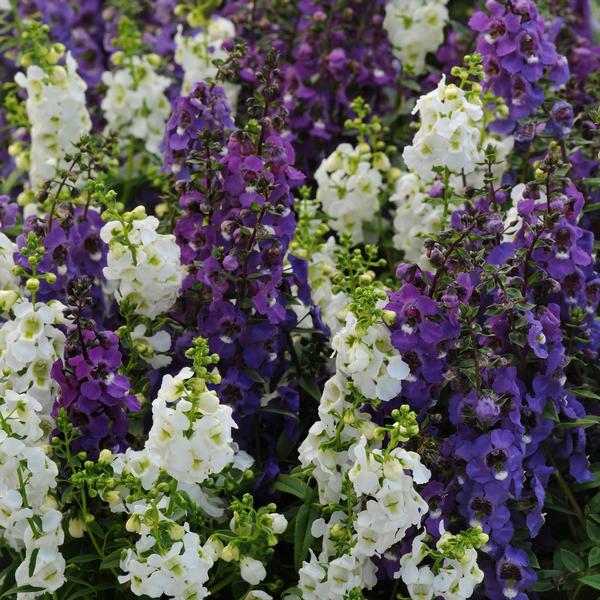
(105, 457)
(230, 553)
(389, 317)
(7, 299)
(32, 284)
(76, 528)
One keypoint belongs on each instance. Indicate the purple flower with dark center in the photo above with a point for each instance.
(517, 55)
(561, 120)
(96, 397)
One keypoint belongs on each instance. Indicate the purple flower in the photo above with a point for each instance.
(96, 397)
(561, 120)
(517, 55)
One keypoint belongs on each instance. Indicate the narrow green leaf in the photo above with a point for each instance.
(594, 557)
(291, 485)
(592, 581)
(33, 561)
(310, 387)
(570, 560)
(21, 589)
(550, 412)
(584, 422)
(111, 561)
(593, 532)
(584, 393)
(594, 504)
(302, 533)
(543, 586)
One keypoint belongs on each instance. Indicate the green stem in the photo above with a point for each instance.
(567, 491)
(446, 192)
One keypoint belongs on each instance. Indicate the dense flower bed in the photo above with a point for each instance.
(299, 299)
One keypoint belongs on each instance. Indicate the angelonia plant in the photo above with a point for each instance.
(299, 300)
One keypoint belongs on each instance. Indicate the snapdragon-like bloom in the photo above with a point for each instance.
(417, 216)
(449, 133)
(30, 343)
(179, 571)
(95, 395)
(369, 359)
(73, 248)
(56, 109)
(145, 264)
(191, 432)
(135, 105)
(196, 53)
(453, 578)
(518, 54)
(8, 280)
(415, 29)
(29, 522)
(349, 183)
(205, 110)
(343, 451)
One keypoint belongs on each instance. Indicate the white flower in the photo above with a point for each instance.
(177, 572)
(312, 575)
(152, 348)
(258, 595)
(29, 345)
(8, 280)
(278, 523)
(47, 572)
(367, 470)
(415, 28)
(449, 133)
(135, 104)
(195, 54)
(150, 280)
(252, 570)
(369, 359)
(349, 184)
(56, 109)
(416, 217)
(190, 435)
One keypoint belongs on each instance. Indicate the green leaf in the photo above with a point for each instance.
(292, 485)
(592, 581)
(20, 589)
(543, 586)
(593, 532)
(111, 561)
(302, 533)
(594, 504)
(584, 422)
(550, 412)
(584, 393)
(571, 561)
(310, 387)
(32, 561)
(594, 557)
(83, 558)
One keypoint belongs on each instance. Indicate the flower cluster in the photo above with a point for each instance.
(143, 263)
(93, 392)
(416, 216)
(415, 29)
(29, 522)
(241, 203)
(135, 104)
(518, 53)
(299, 300)
(57, 112)
(449, 132)
(191, 431)
(195, 54)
